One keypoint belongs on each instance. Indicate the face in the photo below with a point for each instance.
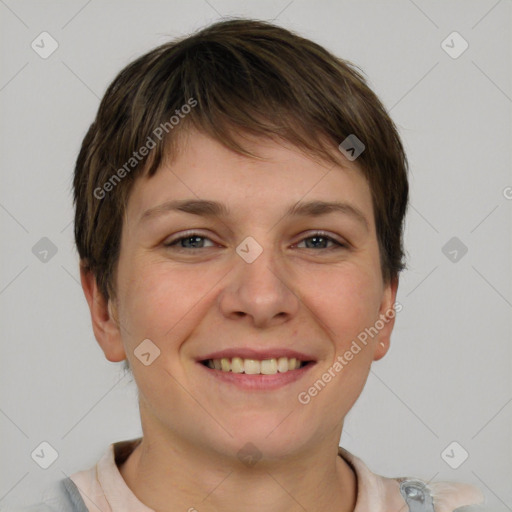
(251, 281)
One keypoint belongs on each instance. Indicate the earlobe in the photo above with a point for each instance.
(104, 323)
(381, 350)
(387, 315)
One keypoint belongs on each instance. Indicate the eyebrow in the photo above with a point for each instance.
(207, 208)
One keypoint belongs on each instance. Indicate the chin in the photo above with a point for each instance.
(269, 437)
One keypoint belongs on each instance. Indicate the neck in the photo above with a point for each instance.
(318, 481)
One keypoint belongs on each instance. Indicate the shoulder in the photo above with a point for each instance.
(410, 494)
(63, 496)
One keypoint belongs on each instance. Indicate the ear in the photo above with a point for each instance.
(387, 314)
(104, 322)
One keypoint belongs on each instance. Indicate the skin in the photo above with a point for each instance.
(189, 302)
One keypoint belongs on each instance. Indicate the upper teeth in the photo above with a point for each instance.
(253, 366)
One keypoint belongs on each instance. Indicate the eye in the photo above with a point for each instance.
(194, 239)
(318, 240)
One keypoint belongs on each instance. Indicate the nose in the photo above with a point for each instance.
(260, 293)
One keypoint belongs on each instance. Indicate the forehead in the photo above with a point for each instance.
(204, 169)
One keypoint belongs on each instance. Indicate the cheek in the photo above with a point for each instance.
(160, 302)
(347, 300)
(345, 308)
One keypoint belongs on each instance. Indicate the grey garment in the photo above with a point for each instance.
(64, 496)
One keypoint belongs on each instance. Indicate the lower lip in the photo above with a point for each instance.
(258, 382)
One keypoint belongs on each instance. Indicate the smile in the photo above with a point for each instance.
(255, 366)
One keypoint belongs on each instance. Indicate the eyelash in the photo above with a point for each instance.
(318, 234)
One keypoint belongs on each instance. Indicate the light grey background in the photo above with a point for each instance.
(448, 374)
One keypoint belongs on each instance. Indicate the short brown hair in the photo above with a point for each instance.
(246, 77)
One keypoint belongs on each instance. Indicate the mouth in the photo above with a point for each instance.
(250, 369)
(251, 366)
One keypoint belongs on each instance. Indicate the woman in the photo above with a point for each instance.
(240, 201)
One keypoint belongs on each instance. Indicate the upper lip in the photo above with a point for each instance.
(249, 353)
